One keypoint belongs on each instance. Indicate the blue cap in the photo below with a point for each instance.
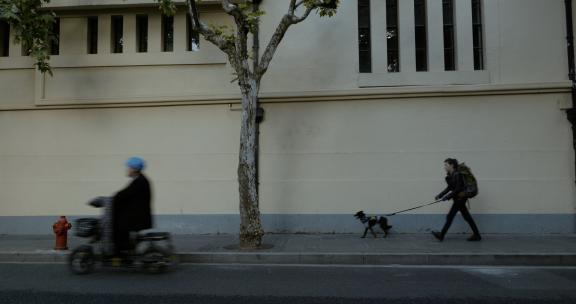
(136, 163)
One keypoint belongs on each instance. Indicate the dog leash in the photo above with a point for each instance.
(435, 202)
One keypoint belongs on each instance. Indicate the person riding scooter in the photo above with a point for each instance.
(132, 206)
(113, 240)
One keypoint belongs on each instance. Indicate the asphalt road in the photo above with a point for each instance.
(52, 283)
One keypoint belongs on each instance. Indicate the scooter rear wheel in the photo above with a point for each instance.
(82, 260)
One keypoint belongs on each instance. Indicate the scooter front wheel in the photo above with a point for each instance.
(82, 260)
(155, 260)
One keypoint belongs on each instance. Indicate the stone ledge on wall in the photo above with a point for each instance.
(101, 4)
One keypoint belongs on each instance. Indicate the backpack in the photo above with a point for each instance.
(470, 183)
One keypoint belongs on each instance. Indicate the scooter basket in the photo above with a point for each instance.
(87, 227)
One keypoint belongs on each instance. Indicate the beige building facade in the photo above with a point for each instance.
(353, 122)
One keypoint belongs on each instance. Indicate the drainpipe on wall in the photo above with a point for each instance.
(571, 113)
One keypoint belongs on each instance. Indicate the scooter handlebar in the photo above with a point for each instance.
(99, 201)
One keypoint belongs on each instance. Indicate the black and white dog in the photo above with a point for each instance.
(371, 221)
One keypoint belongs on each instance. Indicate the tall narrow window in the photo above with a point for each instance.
(449, 45)
(92, 35)
(392, 36)
(478, 34)
(117, 34)
(55, 42)
(192, 36)
(421, 34)
(167, 34)
(4, 39)
(142, 33)
(364, 37)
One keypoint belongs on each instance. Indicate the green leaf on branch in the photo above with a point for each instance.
(253, 19)
(224, 31)
(167, 7)
(31, 27)
(325, 8)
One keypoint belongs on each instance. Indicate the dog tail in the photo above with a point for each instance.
(383, 220)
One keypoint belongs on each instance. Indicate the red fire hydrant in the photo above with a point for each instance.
(61, 228)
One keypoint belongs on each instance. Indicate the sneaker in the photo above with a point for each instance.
(438, 235)
(475, 238)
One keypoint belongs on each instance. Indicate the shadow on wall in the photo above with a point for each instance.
(294, 136)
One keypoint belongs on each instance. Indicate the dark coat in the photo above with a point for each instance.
(132, 206)
(456, 187)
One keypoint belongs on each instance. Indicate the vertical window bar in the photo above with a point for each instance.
(92, 35)
(117, 34)
(449, 45)
(392, 36)
(167, 34)
(192, 36)
(4, 39)
(477, 29)
(421, 35)
(55, 42)
(142, 33)
(364, 37)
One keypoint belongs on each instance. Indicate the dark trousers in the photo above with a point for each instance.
(460, 205)
(121, 240)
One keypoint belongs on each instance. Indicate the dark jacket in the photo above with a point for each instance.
(132, 210)
(455, 188)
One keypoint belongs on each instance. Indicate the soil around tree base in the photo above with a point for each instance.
(236, 247)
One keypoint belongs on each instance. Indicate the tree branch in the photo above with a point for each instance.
(296, 20)
(233, 10)
(242, 65)
(193, 11)
(203, 29)
(256, 40)
(281, 29)
(268, 54)
(292, 7)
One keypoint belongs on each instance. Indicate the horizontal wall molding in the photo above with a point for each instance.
(100, 4)
(423, 78)
(119, 60)
(234, 100)
(312, 96)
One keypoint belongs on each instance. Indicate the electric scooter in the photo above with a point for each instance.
(152, 252)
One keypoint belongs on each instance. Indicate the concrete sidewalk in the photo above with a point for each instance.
(344, 249)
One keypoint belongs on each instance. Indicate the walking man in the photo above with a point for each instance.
(456, 191)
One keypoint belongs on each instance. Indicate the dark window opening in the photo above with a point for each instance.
(392, 36)
(92, 35)
(142, 33)
(449, 45)
(478, 37)
(167, 34)
(117, 34)
(421, 35)
(4, 39)
(55, 40)
(364, 38)
(192, 36)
